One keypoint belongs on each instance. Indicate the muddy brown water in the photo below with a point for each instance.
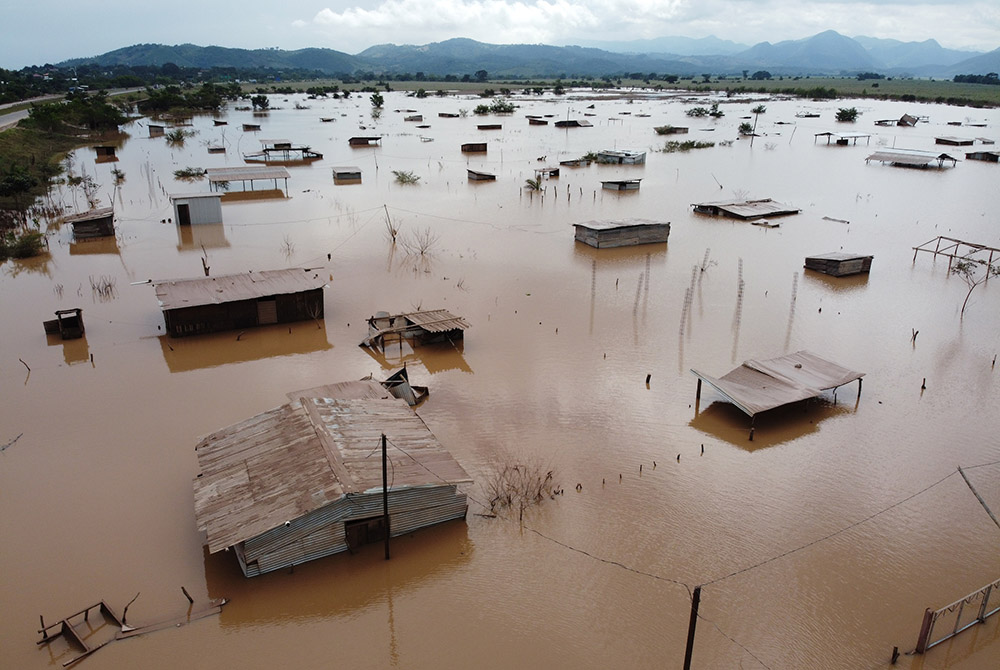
(856, 500)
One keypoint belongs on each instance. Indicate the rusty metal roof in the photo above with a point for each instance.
(246, 173)
(92, 214)
(757, 386)
(622, 223)
(292, 460)
(179, 293)
(436, 321)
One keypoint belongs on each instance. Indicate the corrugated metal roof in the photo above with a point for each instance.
(436, 321)
(749, 209)
(87, 216)
(909, 156)
(247, 173)
(837, 256)
(178, 293)
(622, 223)
(757, 386)
(190, 196)
(297, 458)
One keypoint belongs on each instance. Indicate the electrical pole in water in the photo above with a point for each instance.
(385, 499)
(695, 600)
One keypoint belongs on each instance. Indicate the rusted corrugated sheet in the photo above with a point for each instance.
(179, 293)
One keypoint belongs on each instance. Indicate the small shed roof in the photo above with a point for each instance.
(750, 209)
(621, 223)
(99, 213)
(757, 386)
(292, 460)
(247, 173)
(192, 196)
(179, 293)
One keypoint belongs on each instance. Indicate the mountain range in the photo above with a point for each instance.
(827, 53)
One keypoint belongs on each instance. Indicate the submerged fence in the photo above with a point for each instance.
(979, 602)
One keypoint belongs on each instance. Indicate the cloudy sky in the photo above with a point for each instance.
(35, 32)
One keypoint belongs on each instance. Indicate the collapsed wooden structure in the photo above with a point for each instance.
(759, 386)
(98, 222)
(622, 233)
(229, 302)
(839, 264)
(954, 249)
(422, 327)
(296, 483)
(283, 151)
(912, 158)
(746, 210)
(68, 324)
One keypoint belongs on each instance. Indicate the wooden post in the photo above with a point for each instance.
(859, 387)
(697, 393)
(695, 601)
(925, 631)
(895, 655)
(385, 498)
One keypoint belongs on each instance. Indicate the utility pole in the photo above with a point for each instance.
(385, 499)
(695, 600)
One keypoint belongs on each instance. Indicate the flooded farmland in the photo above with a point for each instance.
(819, 544)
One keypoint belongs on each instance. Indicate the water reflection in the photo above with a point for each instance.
(215, 349)
(74, 351)
(361, 580)
(208, 235)
(97, 245)
(726, 422)
(838, 284)
(435, 357)
(245, 196)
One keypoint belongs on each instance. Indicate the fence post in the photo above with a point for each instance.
(925, 631)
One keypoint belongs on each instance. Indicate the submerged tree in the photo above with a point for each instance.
(969, 270)
(847, 114)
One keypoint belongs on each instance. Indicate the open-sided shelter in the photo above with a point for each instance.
(758, 386)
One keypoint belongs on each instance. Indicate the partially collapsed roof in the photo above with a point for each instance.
(757, 386)
(746, 209)
(297, 458)
(179, 293)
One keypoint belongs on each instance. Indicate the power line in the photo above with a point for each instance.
(833, 534)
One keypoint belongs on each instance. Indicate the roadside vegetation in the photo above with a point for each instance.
(31, 157)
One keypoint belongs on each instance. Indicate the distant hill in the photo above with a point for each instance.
(826, 53)
(191, 55)
(896, 54)
(678, 46)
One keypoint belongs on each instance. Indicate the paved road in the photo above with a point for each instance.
(10, 119)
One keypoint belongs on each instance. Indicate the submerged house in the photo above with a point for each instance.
(95, 223)
(839, 264)
(747, 210)
(370, 141)
(474, 148)
(624, 233)
(68, 324)
(296, 483)
(621, 184)
(229, 302)
(347, 173)
(195, 208)
(478, 175)
(988, 156)
(573, 123)
(623, 157)
(425, 327)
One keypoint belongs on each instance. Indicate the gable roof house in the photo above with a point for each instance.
(296, 483)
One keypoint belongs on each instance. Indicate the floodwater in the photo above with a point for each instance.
(819, 544)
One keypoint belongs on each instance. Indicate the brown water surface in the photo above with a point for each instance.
(857, 500)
